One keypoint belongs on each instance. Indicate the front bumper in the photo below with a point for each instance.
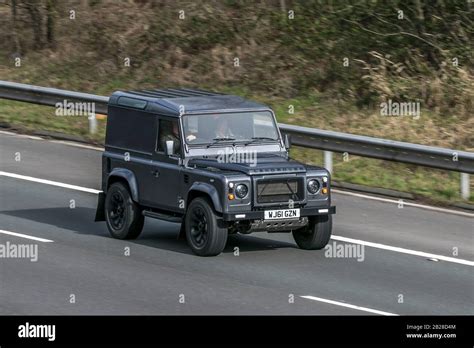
(260, 214)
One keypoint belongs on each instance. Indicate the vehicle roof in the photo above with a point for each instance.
(177, 102)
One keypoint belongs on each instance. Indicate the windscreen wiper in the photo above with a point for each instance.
(254, 139)
(218, 140)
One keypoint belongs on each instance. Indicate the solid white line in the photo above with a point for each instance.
(342, 304)
(26, 236)
(409, 204)
(7, 133)
(84, 146)
(63, 142)
(24, 136)
(50, 182)
(403, 250)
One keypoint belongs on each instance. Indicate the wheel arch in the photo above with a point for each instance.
(200, 189)
(126, 176)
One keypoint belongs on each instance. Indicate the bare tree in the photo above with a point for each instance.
(16, 41)
(34, 10)
(51, 22)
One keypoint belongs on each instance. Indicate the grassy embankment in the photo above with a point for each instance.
(282, 62)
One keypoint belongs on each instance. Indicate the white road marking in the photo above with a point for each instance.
(64, 142)
(403, 250)
(21, 235)
(409, 204)
(25, 136)
(339, 238)
(50, 182)
(8, 133)
(347, 305)
(84, 146)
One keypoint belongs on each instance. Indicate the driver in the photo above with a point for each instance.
(219, 127)
(171, 134)
(223, 129)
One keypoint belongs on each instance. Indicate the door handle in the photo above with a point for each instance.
(155, 173)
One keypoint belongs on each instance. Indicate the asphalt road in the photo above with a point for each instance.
(160, 271)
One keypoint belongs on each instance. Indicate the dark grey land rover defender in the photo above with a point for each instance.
(215, 163)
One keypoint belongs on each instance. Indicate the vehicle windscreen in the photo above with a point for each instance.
(248, 127)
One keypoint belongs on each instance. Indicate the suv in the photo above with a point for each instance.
(217, 164)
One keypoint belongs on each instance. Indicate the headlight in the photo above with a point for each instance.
(241, 190)
(313, 186)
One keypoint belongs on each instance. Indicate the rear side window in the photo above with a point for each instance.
(130, 130)
(132, 103)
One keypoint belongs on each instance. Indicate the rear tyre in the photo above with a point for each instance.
(123, 216)
(316, 234)
(205, 234)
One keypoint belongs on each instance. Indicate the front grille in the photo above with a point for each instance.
(279, 191)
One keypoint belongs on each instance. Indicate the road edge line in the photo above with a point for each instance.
(26, 236)
(410, 204)
(403, 250)
(49, 182)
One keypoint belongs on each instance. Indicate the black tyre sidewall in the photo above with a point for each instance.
(316, 235)
(133, 218)
(217, 235)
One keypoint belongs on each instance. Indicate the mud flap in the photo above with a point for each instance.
(182, 232)
(100, 212)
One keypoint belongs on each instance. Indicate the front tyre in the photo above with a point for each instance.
(316, 234)
(204, 231)
(123, 216)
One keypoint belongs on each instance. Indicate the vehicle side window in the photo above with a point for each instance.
(132, 102)
(129, 129)
(168, 130)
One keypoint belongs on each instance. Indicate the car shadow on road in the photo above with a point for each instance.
(164, 235)
(78, 219)
(156, 234)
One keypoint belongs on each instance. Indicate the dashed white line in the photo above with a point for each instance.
(347, 305)
(403, 250)
(21, 235)
(50, 182)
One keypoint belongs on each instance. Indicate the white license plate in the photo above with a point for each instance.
(282, 214)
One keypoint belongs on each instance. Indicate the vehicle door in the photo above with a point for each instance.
(166, 169)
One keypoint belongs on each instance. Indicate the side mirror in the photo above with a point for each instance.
(287, 141)
(169, 147)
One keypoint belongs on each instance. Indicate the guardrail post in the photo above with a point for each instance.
(328, 161)
(92, 123)
(465, 194)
